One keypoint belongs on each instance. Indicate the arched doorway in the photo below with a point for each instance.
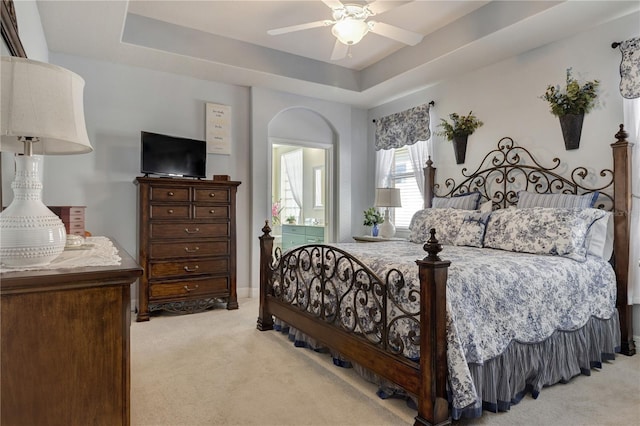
(301, 171)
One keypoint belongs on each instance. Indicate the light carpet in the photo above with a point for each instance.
(216, 368)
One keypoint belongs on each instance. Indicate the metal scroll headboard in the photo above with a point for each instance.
(505, 171)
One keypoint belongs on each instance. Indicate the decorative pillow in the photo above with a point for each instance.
(467, 201)
(446, 222)
(566, 201)
(471, 232)
(486, 207)
(599, 240)
(541, 230)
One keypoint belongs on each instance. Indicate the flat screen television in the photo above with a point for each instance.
(172, 156)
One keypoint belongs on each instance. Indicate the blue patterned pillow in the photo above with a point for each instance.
(566, 201)
(541, 230)
(462, 201)
(446, 222)
(472, 231)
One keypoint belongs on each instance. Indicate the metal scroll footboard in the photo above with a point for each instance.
(329, 285)
(377, 322)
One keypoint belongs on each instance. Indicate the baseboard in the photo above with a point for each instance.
(244, 292)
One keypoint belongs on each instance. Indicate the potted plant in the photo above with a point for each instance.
(570, 105)
(291, 220)
(458, 131)
(373, 218)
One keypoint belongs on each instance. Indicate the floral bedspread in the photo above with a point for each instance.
(496, 296)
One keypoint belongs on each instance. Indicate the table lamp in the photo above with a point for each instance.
(42, 114)
(387, 197)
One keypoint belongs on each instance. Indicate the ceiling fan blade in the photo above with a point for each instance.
(339, 51)
(378, 7)
(333, 4)
(395, 33)
(299, 27)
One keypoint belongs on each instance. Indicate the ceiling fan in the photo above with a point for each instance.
(350, 25)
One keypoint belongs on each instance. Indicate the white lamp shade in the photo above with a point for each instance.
(43, 101)
(42, 113)
(388, 197)
(350, 31)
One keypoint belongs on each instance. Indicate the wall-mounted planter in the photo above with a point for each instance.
(460, 148)
(571, 125)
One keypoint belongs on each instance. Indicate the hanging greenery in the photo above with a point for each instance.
(574, 99)
(460, 125)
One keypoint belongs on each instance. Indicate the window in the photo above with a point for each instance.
(403, 177)
(290, 165)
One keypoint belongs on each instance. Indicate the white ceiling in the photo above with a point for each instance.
(249, 21)
(227, 41)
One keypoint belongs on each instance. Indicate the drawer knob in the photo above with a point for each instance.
(212, 211)
(170, 193)
(195, 268)
(170, 211)
(212, 194)
(190, 289)
(189, 231)
(195, 249)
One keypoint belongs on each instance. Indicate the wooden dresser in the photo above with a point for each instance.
(65, 345)
(187, 244)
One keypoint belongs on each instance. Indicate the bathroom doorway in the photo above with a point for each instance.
(301, 195)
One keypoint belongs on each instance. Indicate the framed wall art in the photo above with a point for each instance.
(218, 128)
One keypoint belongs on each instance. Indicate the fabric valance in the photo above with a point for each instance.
(630, 68)
(403, 128)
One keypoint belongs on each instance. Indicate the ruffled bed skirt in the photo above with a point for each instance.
(522, 368)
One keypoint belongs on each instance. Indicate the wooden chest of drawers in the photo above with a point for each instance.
(72, 217)
(187, 244)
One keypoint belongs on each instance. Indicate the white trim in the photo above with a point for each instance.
(300, 142)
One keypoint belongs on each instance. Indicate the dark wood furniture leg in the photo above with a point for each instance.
(622, 209)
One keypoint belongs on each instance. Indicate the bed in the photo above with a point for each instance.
(449, 328)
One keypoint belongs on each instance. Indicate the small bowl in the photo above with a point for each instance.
(74, 241)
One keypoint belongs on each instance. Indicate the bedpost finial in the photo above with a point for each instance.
(266, 229)
(432, 246)
(429, 162)
(622, 135)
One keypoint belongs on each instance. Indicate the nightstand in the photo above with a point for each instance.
(369, 239)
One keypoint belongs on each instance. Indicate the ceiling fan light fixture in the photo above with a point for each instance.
(350, 31)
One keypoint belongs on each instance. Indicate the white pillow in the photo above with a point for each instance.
(486, 207)
(599, 240)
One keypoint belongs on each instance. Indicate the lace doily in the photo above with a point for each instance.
(96, 251)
